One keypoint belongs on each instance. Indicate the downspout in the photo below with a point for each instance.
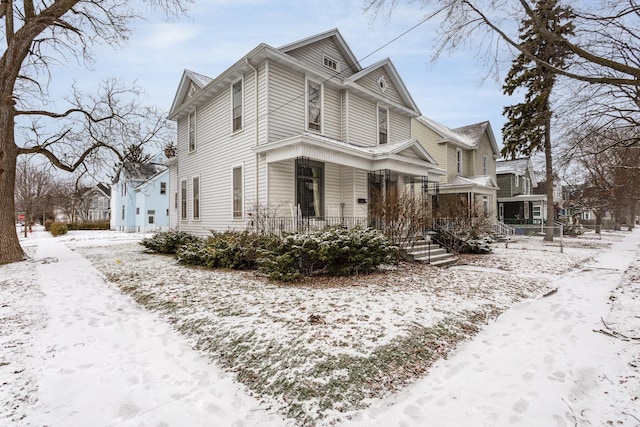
(255, 105)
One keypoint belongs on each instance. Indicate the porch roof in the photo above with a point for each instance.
(524, 198)
(408, 156)
(481, 181)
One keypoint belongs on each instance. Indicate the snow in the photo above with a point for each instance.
(77, 350)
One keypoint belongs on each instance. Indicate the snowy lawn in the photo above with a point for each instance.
(319, 349)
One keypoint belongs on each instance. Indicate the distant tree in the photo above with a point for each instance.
(611, 174)
(90, 130)
(528, 127)
(33, 189)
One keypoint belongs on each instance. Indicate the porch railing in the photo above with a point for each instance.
(282, 225)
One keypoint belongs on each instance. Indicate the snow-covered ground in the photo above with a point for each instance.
(75, 349)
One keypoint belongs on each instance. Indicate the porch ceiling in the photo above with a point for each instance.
(391, 156)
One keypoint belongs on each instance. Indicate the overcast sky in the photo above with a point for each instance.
(216, 33)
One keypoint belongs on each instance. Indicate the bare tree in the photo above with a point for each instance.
(33, 190)
(611, 175)
(92, 129)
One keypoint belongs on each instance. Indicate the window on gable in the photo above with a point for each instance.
(196, 197)
(458, 161)
(183, 199)
(163, 188)
(192, 131)
(330, 63)
(383, 125)
(314, 106)
(237, 192)
(237, 105)
(485, 165)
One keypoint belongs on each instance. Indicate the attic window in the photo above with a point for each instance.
(382, 84)
(330, 63)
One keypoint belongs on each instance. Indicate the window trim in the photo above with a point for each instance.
(459, 161)
(184, 195)
(196, 202)
(309, 81)
(163, 188)
(151, 213)
(485, 165)
(233, 84)
(386, 110)
(233, 195)
(192, 143)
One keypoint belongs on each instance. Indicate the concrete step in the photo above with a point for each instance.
(444, 262)
(433, 258)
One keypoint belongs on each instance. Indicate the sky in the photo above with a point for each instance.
(217, 33)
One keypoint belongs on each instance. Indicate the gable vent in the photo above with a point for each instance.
(330, 63)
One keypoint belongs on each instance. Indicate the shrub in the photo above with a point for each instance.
(334, 251)
(93, 225)
(192, 252)
(58, 228)
(167, 242)
(229, 249)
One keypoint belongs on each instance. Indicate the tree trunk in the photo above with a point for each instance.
(548, 232)
(10, 250)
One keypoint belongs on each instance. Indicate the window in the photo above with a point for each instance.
(175, 200)
(314, 106)
(537, 211)
(485, 165)
(137, 211)
(310, 187)
(382, 84)
(458, 161)
(183, 199)
(383, 125)
(151, 214)
(196, 197)
(330, 63)
(122, 211)
(485, 203)
(236, 93)
(517, 179)
(192, 131)
(237, 192)
(167, 212)
(163, 188)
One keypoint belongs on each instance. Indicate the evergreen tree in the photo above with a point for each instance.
(528, 128)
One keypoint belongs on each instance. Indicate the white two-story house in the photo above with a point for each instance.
(300, 131)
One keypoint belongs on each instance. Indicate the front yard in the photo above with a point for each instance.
(318, 350)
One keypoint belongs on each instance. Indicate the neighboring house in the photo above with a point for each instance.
(98, 203)
(516, 202)
(297, 132)
(468, 155)
(140, 198)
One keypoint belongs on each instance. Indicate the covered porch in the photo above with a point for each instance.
(314, 182)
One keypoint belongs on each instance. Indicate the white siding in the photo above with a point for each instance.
(332, 119)
(362, 121)
(399, 127)
(217, 150)
(286, 103)
(282, 186)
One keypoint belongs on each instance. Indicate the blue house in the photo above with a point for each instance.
(140, 198)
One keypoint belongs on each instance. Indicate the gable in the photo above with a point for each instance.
(321, 54)
(190, 83)
(382, 81)
(312, 51)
